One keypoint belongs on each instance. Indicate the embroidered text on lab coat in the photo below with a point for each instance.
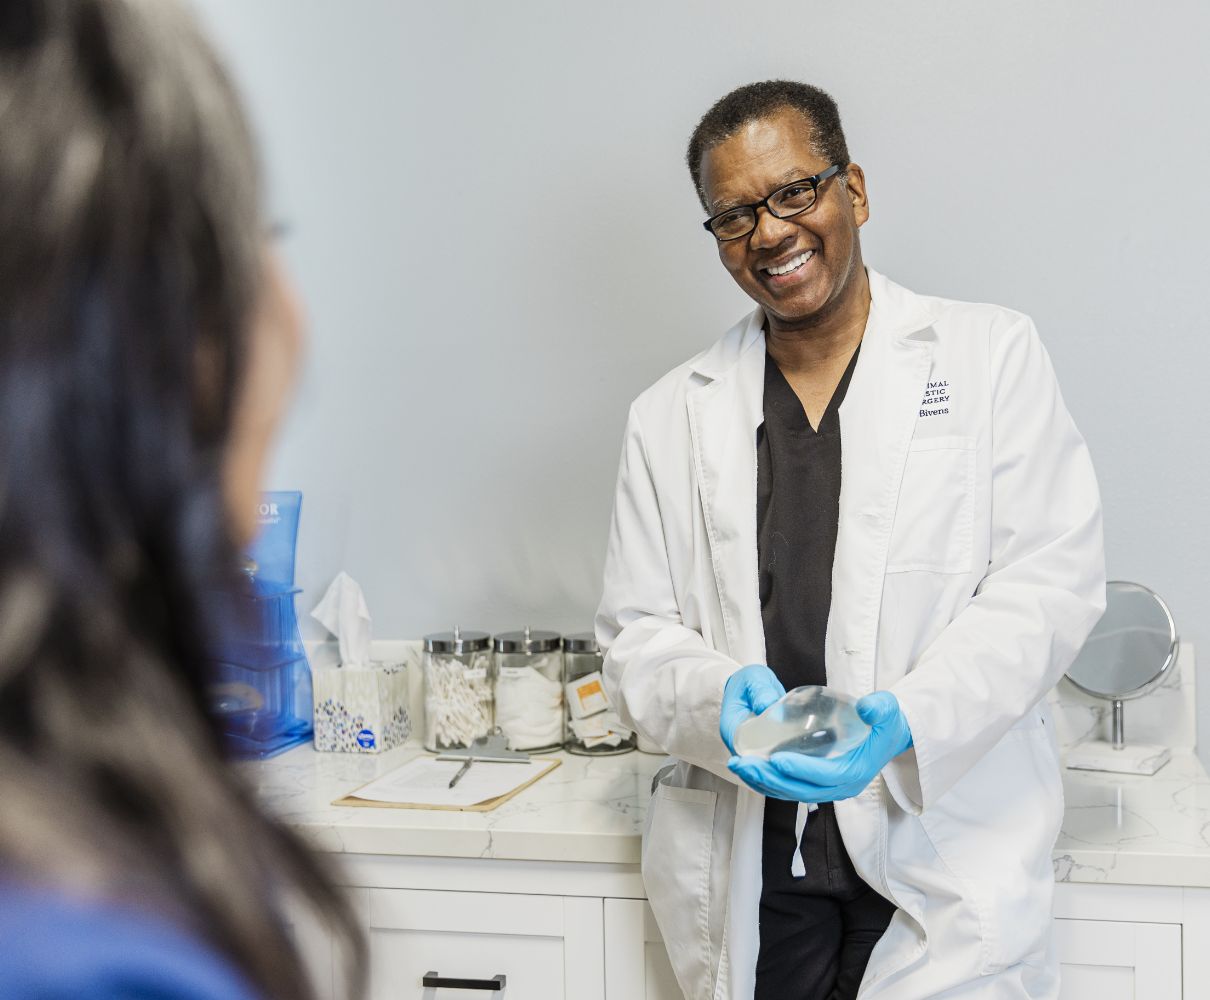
(936, 399)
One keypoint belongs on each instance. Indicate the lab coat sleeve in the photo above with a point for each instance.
(661, 676)
(1043, 591)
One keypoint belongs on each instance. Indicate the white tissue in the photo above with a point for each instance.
(343, 612)
(529, 705)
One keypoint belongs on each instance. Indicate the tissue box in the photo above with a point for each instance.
(361, 709)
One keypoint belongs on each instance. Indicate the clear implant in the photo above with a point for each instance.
(811, 720)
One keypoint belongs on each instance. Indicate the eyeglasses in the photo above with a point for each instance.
(784, 203)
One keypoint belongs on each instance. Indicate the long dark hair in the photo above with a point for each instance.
(130, 263)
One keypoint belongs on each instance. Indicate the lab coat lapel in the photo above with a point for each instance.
(877, 419)
(724, 414)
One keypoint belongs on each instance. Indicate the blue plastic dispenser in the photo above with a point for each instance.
(261, 688)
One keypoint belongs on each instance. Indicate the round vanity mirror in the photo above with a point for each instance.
(1129, 652)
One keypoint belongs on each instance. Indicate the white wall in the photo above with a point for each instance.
(499, 246)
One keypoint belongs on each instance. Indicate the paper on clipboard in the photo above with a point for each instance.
(425, 782)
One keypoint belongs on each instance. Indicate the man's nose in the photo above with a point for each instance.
(770, 231)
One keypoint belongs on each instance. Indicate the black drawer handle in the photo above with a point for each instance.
(496, 983)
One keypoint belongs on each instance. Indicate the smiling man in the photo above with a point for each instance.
(874, 490)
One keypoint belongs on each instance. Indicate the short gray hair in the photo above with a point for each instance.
(755, 101)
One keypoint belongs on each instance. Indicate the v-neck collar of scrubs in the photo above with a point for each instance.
(782, 402)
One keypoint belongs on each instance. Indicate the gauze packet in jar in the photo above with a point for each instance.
(593, 727)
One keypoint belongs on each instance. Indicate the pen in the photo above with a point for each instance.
(461, 771)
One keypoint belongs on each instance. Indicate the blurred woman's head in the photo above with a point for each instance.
(134, 265)
(148, 340)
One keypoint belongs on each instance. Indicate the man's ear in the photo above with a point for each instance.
(856, 190)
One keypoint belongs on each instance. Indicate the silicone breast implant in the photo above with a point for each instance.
(811, 720)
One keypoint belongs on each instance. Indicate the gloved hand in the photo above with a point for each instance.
(800, 778)
(749, 691)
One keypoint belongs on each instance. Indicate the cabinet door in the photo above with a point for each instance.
(315, 946)
(545, 947)
(1115, 960)
(1101, 960)
(636, 962)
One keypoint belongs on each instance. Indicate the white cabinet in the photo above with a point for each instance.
(1101, 960)
(1133, 942)
(636, 963)
(1116, 960)
(314, 945)
(505, 944)
(572, 948)
(580, 931)
(1102, 955)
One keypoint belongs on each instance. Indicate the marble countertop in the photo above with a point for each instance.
(587, 809)
(1121, 829)
(1130, 829)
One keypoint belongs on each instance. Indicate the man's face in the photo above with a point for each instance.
(763, 156)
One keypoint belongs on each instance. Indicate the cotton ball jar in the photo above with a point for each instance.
(458, 688)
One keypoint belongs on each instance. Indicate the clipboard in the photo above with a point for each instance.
(485, 806)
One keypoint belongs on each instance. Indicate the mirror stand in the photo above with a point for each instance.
(1127, 654)
(1117, 756)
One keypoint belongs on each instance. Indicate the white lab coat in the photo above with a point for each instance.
(969, 569)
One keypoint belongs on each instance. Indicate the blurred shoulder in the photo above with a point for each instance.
(55, 947)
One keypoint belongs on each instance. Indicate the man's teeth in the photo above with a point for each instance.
(792, 265)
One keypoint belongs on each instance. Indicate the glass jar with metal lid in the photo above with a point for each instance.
(529, 689)
(593, 727)
(458, 688)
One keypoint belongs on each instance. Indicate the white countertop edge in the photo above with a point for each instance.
(1118, 829)
(510, 845)
(1119, 868)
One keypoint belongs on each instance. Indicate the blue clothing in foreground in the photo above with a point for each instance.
(55, 947)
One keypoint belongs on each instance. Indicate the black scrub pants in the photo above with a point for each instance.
(817, 931)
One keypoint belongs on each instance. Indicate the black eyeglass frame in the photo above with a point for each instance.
(814, 181)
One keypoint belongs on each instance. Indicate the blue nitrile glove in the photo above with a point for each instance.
(800, 778)
(749, 691)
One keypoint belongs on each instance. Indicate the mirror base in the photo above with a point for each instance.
(1134, 758)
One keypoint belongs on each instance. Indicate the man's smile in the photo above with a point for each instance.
(788, 270)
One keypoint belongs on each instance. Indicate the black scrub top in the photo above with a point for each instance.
(797, 516)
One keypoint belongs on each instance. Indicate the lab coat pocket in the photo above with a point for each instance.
(676, 873)
(933, 530)
(995, 831)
